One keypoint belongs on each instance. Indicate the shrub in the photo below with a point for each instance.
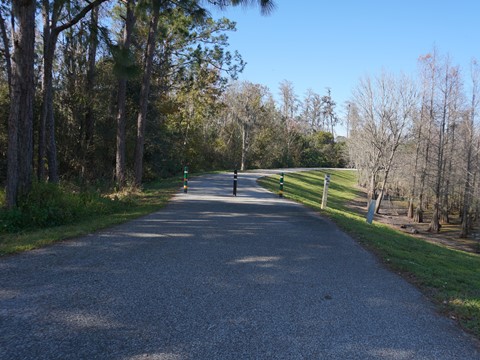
(50, 205)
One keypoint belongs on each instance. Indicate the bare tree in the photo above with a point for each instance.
(429, 75)
(330, 118)
(445, 89)
(386, 106)
(245, 104)
(312, 111)
(469, 129)
(289, 105)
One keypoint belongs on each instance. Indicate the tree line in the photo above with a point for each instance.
(419, 139)
(125, 91)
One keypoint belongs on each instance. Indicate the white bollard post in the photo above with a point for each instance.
(326, 182)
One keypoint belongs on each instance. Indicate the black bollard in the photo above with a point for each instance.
(280, 193)
(235, 182)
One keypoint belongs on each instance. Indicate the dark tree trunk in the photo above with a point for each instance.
(6, 47)
(144, 92)
(90, 80)
(20, 122)
(42, 137)
(47, 141)
(89, 121)
(120, 158)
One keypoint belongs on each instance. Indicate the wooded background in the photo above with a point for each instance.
(125, 91)
(118, 92)
(419, 139)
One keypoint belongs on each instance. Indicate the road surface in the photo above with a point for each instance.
(214, 276)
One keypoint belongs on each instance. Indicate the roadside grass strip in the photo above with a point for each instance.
(450, 278)
(114, 209)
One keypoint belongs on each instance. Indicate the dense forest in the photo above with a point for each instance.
(122, 92)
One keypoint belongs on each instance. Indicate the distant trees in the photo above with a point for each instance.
(386, 110)
(75, 50)
(123, 92)
(418, 141)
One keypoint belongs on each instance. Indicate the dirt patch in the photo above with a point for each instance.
(394, 214)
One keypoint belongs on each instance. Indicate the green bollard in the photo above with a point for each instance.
(280, 193)
(185, 180)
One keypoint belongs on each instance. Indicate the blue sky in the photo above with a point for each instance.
(318, 44)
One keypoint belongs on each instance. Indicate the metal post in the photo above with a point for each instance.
(326, 183)
(235, 182)
(280, 193)
(185, 180)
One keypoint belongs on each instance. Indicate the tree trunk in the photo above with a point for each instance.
(378, 202)
(418, 215)
(445, 214)
(419, 210)
(46, 132)
(371, 190)
(466, 189)
(144, 92)
(47, 142)
(89, 87)
(42, 140)
(6, 46)
(387, 173)
(20, 122)
(120, 157)
(410, 209)
(48, 119)
(244, 147)
(435, 224)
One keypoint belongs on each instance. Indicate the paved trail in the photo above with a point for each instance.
(217, 277)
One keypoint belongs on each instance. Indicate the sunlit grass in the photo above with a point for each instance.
(449, 277)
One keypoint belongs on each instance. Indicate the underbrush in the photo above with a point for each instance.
(50, 205)
(52, 213)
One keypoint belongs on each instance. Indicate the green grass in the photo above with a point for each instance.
(449, 277)
(104, 212)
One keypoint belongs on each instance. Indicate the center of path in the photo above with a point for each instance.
(214, 276)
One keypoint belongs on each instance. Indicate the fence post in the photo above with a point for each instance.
(280, 193)
(235, 178)
(185, 179)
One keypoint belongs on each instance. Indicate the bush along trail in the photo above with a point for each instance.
(51, 213)
(451, 278)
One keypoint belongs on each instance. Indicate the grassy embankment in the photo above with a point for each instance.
(53, 213)
(450, 278)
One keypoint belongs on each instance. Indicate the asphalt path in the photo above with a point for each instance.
(214, 276)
